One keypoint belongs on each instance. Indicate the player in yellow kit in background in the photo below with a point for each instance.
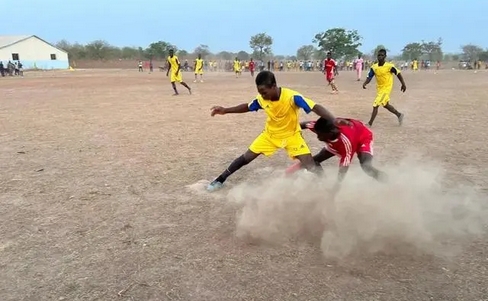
(237, 67)
(198, 68)
(384, 73)
(174, 66)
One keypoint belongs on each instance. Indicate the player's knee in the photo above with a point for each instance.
(247, 157)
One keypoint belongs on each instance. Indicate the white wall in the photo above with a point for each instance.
(32, 49)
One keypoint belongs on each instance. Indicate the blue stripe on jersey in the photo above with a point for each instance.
(301, 103)
(371, 73)
(254, 106)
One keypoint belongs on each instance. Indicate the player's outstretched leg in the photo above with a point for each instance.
(366, 161)
(317, 159)
(237, 164)
(394, 111)
(186, 86)
(374, 113)
(173, 84)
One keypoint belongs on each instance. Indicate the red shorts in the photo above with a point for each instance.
(366, 145)
(329, 77)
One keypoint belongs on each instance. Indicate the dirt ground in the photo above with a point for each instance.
(95, 203)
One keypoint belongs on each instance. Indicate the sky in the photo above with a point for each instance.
(229, 24)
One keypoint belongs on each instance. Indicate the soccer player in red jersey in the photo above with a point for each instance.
(330, 67)
(252, 66)
(343, 141)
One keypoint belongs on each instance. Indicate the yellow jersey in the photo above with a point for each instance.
(384, 75)
(198, 64)
(174, 63)
(283, 115)
(237, 65)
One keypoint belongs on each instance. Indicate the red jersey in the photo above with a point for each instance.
(251, 66)
(354, 138)
(329, 65)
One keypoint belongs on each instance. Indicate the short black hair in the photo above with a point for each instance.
(324, 125)
(266, 78)
(382, 50)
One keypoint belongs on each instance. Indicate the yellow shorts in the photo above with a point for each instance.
(176, 77)
(267, 145)
(382, 99)
(199, 72)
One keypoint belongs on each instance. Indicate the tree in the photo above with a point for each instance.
(63, 44)
(412, 51)
(261, 44)
(377, 49)
(183, 53)
(159, 50)
(99, 50)
(433, 50)
(203, 50)
(305, 52)
(471, 51)
(129, 53)
(342, 42)
(319, 54)
(483, 56)
(242, 55)
(225, 55)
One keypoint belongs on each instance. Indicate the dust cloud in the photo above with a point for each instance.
(420, 209)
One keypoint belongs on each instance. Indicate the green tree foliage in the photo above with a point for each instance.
(341, 42)
(261, 45)
(243, 56)
(183, 53)
(159, 50)
(375, 51)
(433, 50)
(412, 51)
(306, 52)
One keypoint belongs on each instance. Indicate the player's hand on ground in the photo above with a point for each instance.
(403, 88)
(217, 110)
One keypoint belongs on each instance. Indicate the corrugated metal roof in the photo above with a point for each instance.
(9, 40)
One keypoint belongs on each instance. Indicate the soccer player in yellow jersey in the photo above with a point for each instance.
(384, 73)
(237, 67)
(174, 66)
(198, 68)
(282, 129)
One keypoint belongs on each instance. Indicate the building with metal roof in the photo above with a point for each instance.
(33, 52)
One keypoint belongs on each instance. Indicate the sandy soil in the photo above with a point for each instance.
(100, 194)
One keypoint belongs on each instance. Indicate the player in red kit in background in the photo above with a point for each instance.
(343, 141)
(330, 67)
(252, 66)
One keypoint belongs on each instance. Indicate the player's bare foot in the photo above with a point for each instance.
(176, 94)
(189, 91)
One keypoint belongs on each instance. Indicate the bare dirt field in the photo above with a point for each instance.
(102, 193)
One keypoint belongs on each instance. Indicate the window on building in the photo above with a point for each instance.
(15, 56)
(53, 56)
